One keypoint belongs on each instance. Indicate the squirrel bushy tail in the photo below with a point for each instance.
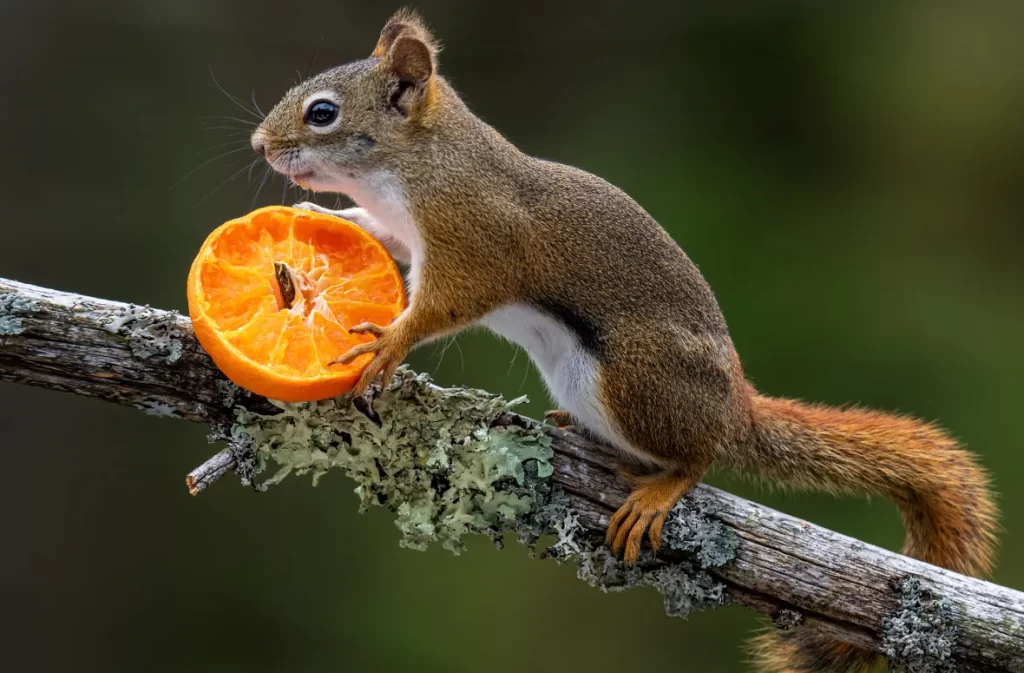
(941, 492)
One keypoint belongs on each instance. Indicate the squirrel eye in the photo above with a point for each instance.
(321, 113)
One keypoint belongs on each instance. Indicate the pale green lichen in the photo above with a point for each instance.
(12, 309)
(11, 325)
(150, 333)
(157, 408)
(691, 528)
(435, 458)
(686, 586)
(230, 391)
(439, 460)
(921, 636)
(686, 589)
(556, 518)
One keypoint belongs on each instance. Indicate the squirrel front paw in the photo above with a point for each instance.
(565, 421)
(389, 351)
(562, 419)
(316, 208)
(357, 216)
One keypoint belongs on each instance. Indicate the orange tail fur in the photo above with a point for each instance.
(941, 492)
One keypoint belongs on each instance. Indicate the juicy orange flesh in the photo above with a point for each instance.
(343, 280)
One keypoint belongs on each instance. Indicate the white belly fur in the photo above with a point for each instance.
(568, 369)
(382, 196)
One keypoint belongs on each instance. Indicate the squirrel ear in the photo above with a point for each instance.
(405, 22)
(388, 36)
(410, 60)
(408, 51)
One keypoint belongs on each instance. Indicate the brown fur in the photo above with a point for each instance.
(500, 227)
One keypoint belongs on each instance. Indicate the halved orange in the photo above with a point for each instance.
(273, 294)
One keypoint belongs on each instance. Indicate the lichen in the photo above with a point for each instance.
(230, 391)
(11, 325)
(435, 458)
(786, 619)
(557, 518)
(12, 308)
(686, 586)
(157, 408)
(690, 528)
(150, 333)
(439, 460)
(921, 636)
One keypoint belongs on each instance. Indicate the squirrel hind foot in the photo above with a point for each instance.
(645, 510)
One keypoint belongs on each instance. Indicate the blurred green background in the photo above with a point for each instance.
(849, 176)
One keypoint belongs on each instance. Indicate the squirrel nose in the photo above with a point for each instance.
(258, 142)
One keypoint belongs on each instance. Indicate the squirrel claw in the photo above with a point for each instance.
(626, 531)
(383, 365)
(362, 349)
(565, 421)
(353, 353)
(388, 355)
(644, 512)
(368, 328)
(314, 207)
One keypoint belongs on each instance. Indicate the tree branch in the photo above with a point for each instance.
(790, 570)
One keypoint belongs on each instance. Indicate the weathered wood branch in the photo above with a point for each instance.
(788, 569)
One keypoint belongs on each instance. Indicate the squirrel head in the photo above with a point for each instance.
(354, 117)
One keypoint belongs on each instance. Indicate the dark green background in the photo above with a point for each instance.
(847, 175)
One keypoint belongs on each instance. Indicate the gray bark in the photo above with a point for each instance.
(785, 568)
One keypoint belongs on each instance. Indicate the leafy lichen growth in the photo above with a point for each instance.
(12, 309)
(439, 460)
(150, 333)
(921, 635)
(557, 518)
(686, 586)
(435, 459)
(690, 528)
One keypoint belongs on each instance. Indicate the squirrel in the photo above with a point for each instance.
(624, 329)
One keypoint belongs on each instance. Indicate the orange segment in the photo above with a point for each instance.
(278, 341)
(331, 340)
(351, 313)
(239, 292)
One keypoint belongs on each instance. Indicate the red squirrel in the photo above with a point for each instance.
(624, 329)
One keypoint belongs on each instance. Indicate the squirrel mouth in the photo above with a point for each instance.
(302, 178)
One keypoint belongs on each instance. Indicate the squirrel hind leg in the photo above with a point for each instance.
(646, 508)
